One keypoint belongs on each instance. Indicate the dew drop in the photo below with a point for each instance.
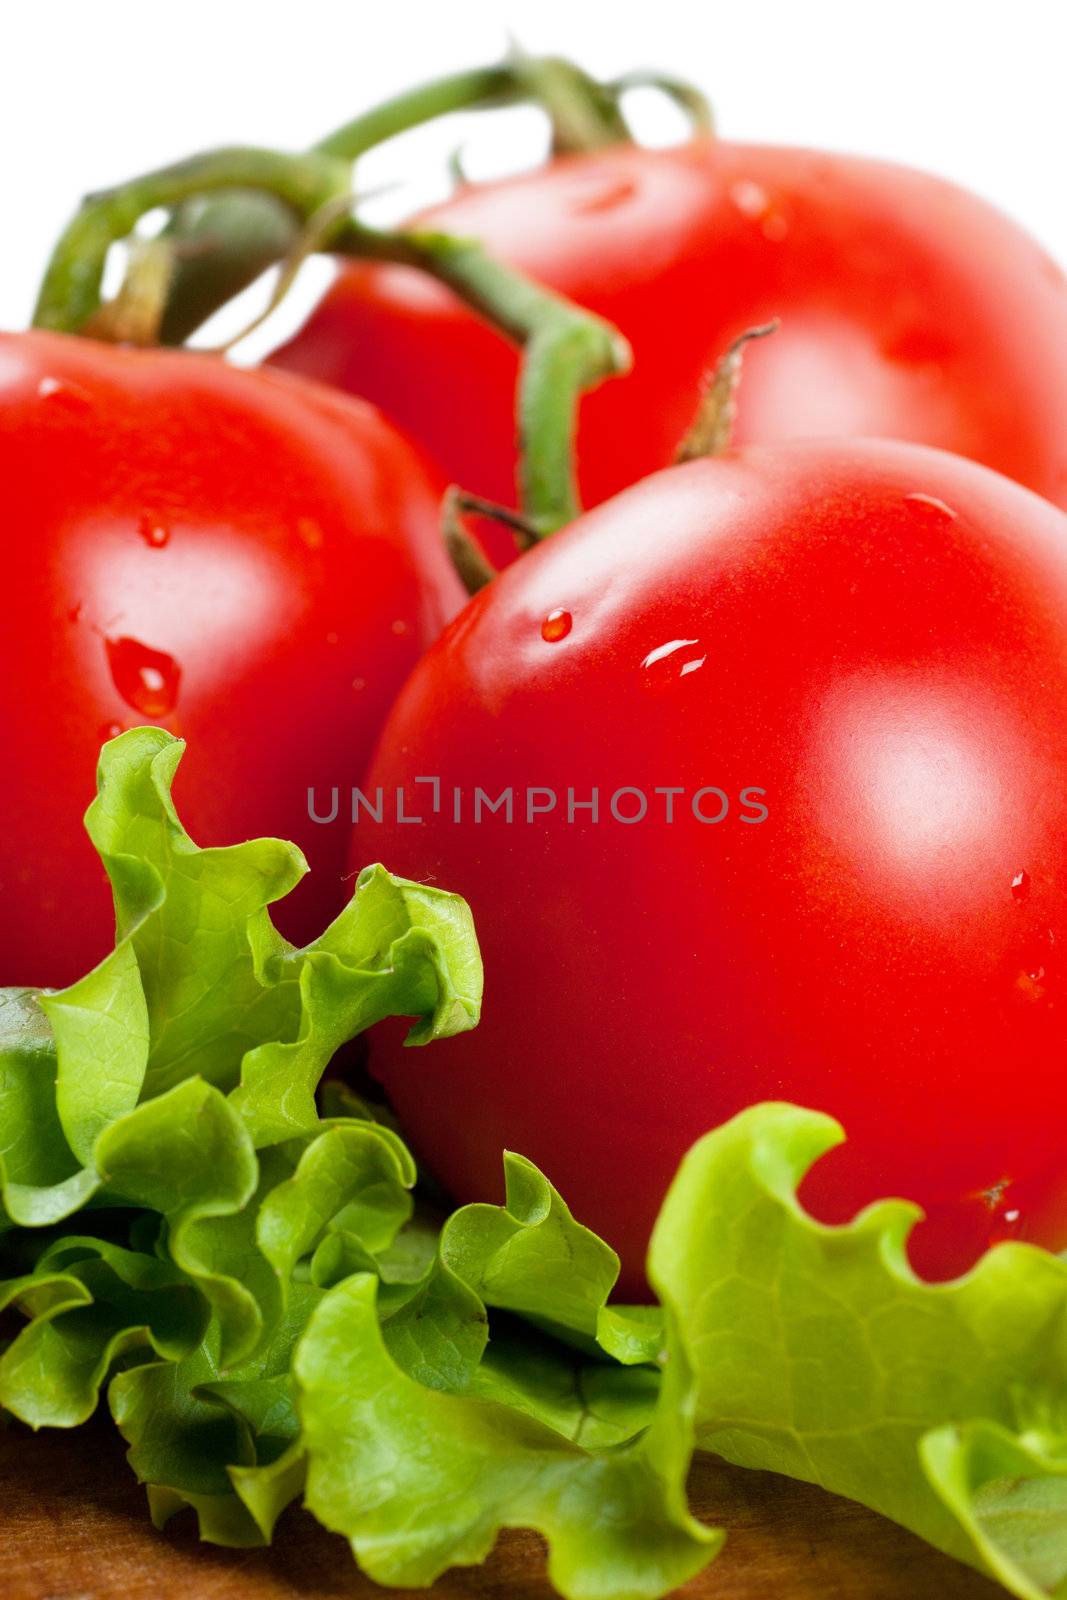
(751, 199)
(929, 504)
(146, 679)
(774, 227)
(1007, 1228)
(154, 533)
(1020, 886)
(401, 627)
(109, 730)
(74, 612)
(556, 626)
(359, 684)
(331, 637)
(60, 391)
(662, 651)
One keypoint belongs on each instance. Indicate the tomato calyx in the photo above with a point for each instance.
(135, 315)
(473, 566)
(709, 434)
(711, 431)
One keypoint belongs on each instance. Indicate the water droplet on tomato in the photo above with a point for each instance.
(146, 679)
(359, 684)
(1020, 886)
(751, 199)
(309, 533)
(60, 391)
(332, 637)
(662, 651)
(74, 612)
(594, 196)
(109, 730)
(154, 533)
(1007, 1226)
(556, 626)
(930, 505)
(774, 227)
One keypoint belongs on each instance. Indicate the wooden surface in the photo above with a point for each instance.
(74, 1526)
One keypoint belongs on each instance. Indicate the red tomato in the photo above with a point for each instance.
(909, 308)
(242, 558)
(869, 641)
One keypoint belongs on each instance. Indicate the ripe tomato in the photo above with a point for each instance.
(909, 309)
(875, 635)
(240, 557)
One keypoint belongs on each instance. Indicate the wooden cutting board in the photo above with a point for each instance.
(74, 1526)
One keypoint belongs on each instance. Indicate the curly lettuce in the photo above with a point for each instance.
(239, 1261)
(818, 1353)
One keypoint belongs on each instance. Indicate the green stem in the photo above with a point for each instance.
(686, 96)
(566, 350)
(70, 292)
(477, 89)
(584, 114)
(224, 244)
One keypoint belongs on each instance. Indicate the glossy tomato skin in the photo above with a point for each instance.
(875, 635)
(909, 309)
(242, 558)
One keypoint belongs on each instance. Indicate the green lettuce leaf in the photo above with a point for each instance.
(191, 1226)
(351, 1181)
(397, 949)
(90, 1303)
(226, 1446)
(421, 1480)
(818, 1353)
(436, 1412)
(530, 1256)
(495, 1403)
(168, 1099)
(200, 984)
(195, 920)
(41, 1181)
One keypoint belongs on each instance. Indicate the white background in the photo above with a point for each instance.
(92, 93)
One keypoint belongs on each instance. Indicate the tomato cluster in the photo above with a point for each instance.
(843, 643)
